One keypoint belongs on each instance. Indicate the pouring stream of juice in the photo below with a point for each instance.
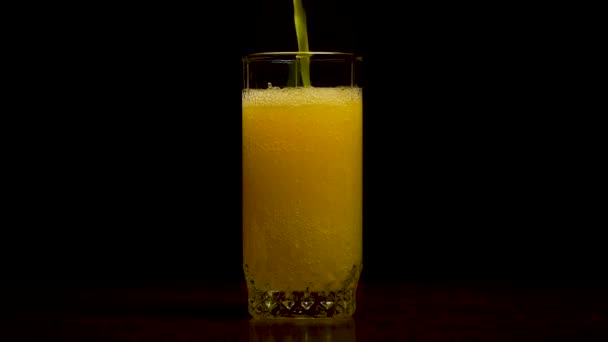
(302, 35)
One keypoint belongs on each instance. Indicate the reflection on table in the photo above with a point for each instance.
(309, 330)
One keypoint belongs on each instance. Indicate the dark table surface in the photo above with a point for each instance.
(448, 310)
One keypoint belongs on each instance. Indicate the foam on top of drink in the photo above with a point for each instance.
(301, 96)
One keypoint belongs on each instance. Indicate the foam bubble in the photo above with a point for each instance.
(300, 96)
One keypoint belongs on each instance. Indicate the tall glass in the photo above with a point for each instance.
(302, 183)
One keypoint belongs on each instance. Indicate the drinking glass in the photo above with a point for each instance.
(302, 136)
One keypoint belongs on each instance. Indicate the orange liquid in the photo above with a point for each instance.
(302, 186)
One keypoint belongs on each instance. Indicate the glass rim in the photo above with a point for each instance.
(276, 55)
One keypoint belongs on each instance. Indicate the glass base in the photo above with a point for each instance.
(304, 304)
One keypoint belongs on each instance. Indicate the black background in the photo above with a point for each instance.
(128, 163)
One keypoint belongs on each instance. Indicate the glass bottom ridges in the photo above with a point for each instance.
(275, 303)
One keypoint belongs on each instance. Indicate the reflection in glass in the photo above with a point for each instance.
(309, 330)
